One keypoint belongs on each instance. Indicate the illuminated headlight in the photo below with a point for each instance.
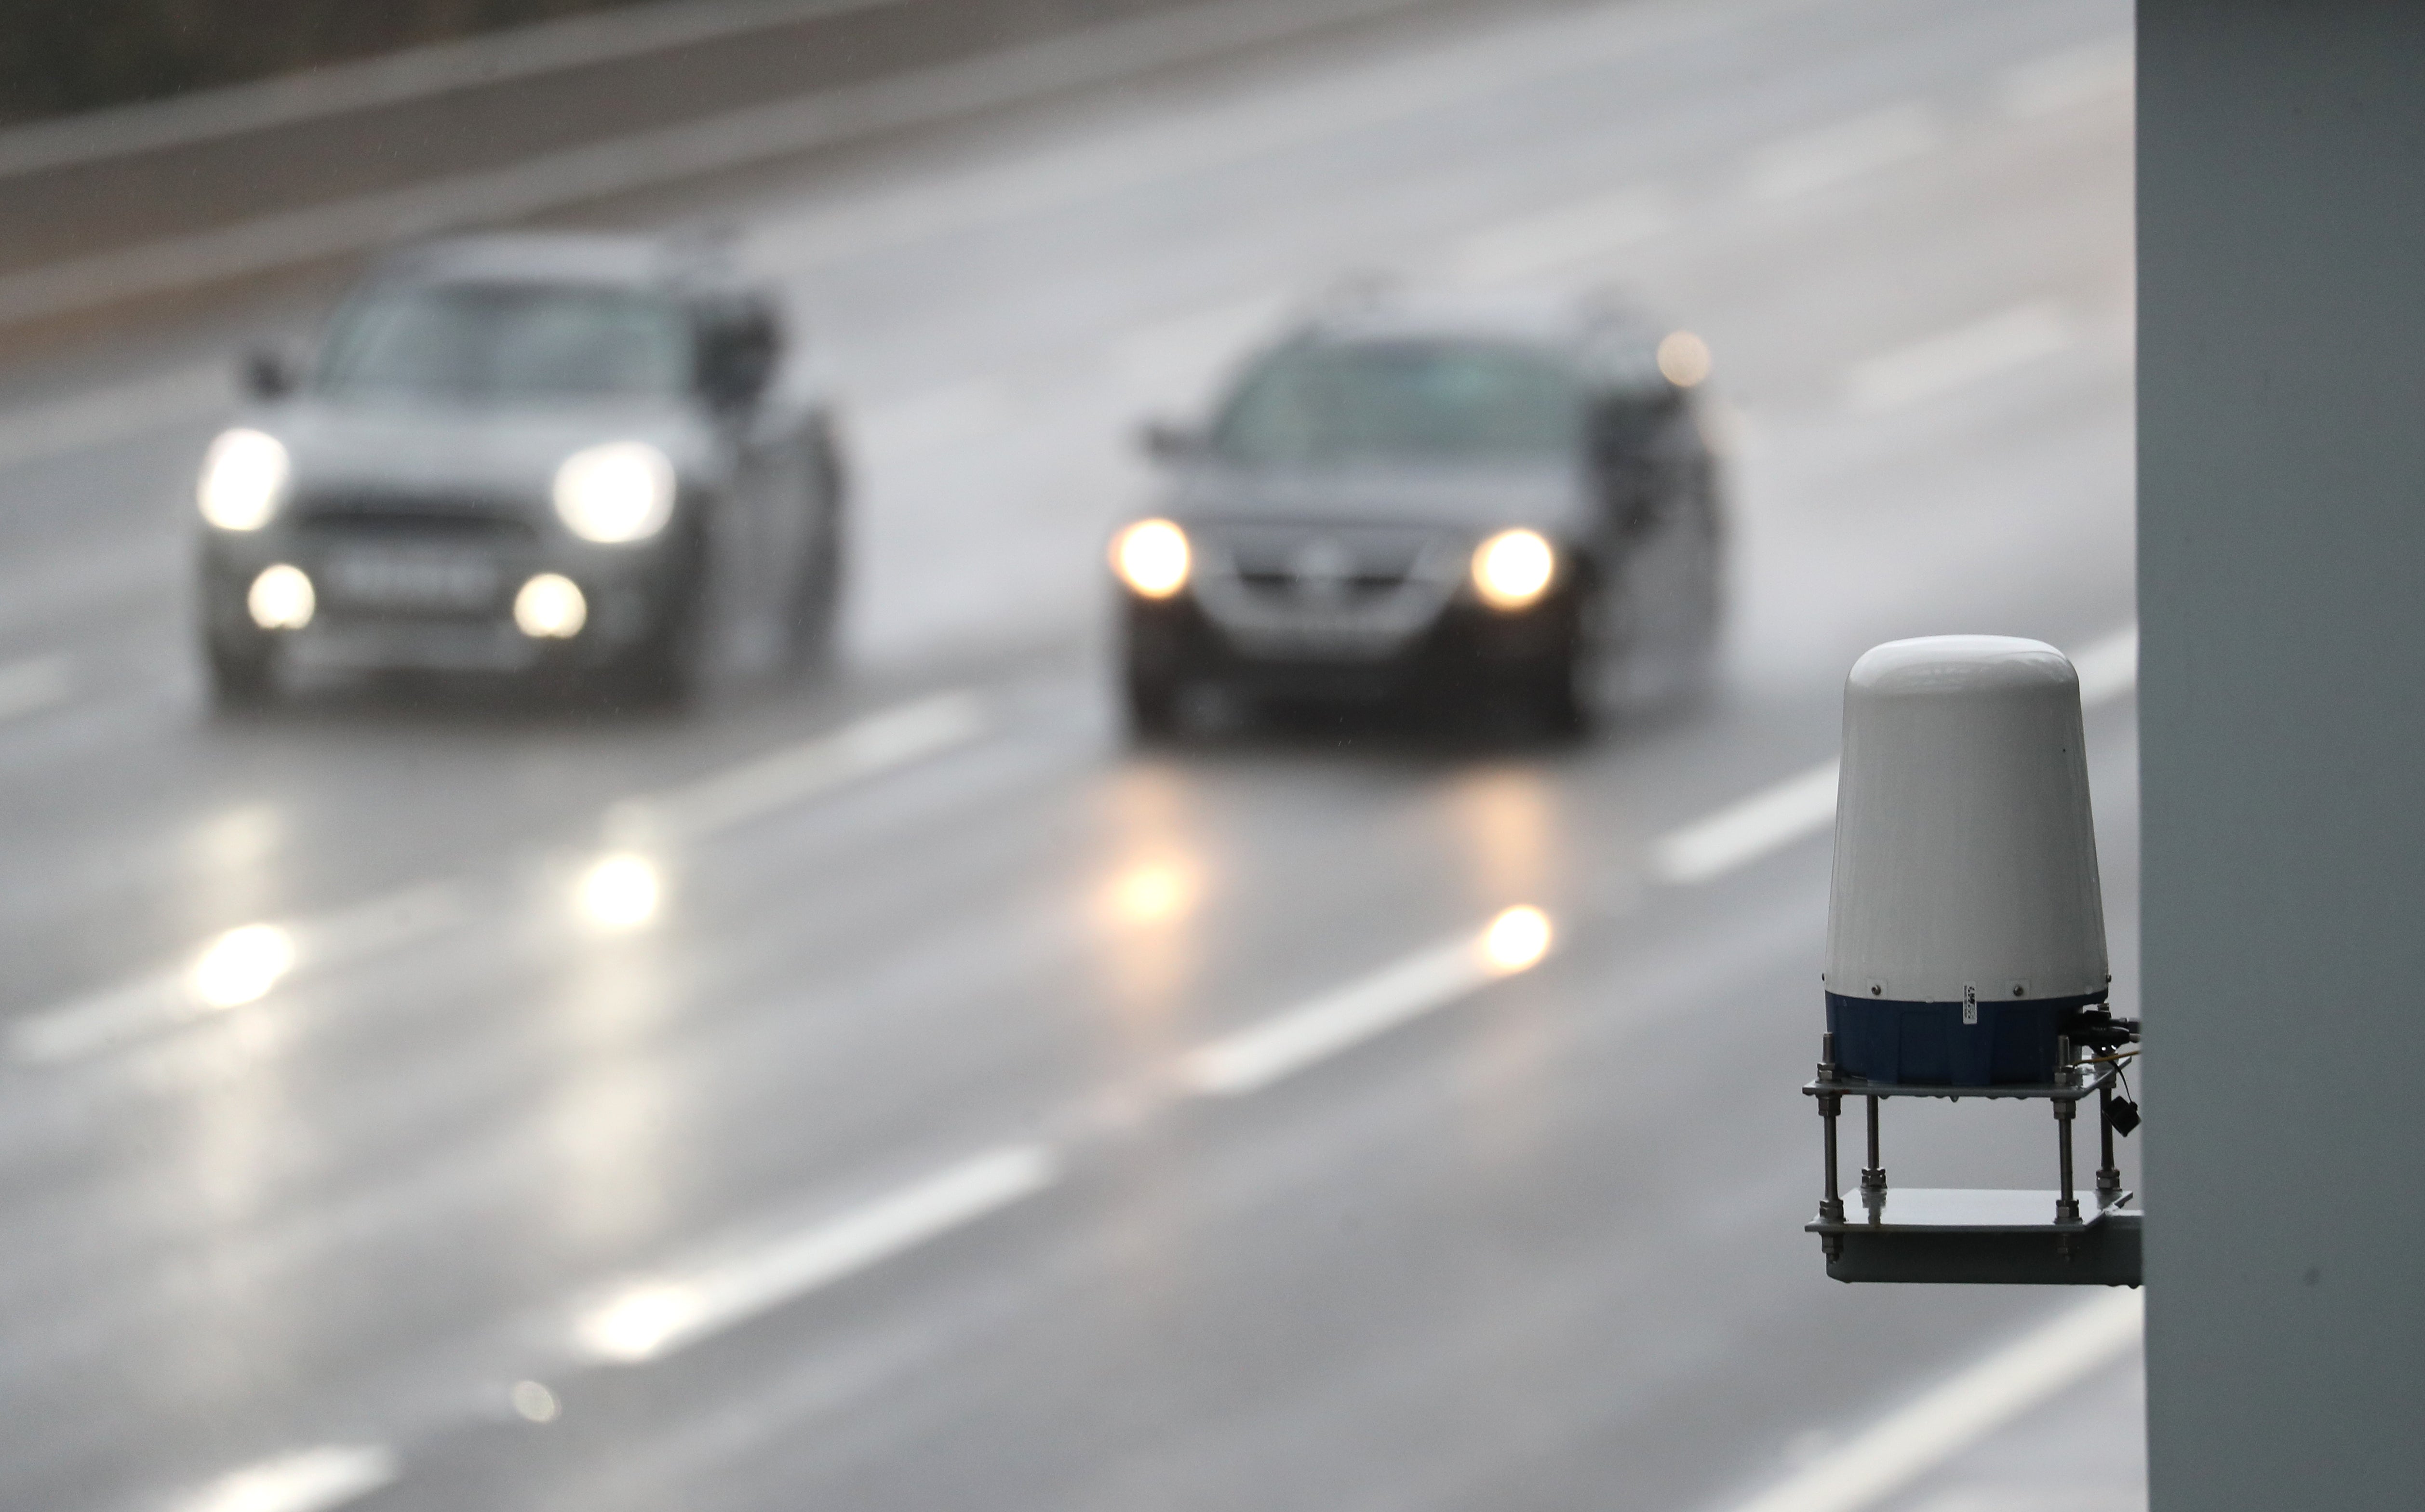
(1512, 569)
(281, 598)
(244, 481)
(1151, 557)
(551, 607)
(618, 492)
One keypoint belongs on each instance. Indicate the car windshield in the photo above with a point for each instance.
(1413, 400)
(506, 342)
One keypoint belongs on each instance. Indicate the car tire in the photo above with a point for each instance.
(1152, 705)
(654, 676)
(243, 679)
(815, 618)
(1556, 697)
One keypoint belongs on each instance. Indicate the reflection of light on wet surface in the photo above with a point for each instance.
(309, 1479)
(1504, 1082)
(1515, 830)
(607, 1130)
(1153, 892)
(242, 836)
(618, 1105)
(242, 965)
(1517, 940)
(622, 891)
(533, 1403)
(639, 1323)
(1148, 910)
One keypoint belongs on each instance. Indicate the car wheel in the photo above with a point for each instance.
(816, 610)
(655, 674)
(1557, 697)
(244, 679)
(1152, 704)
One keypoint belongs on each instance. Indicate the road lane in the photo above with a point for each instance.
(378, 1188)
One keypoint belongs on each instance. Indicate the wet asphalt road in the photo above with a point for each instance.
(879, 1168)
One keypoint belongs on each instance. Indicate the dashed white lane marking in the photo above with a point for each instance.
(867, 748)
(105, 415)
(2076, 76)
(239, 967)
(1966, 354)
(1422, 983)
(1960, 1413)
(1563, 237)
(652, 1317)
(1832, 154)
(1742, 832)
(31, 687)
(308, 1480)
(1801, 806)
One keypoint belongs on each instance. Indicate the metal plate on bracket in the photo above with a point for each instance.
(1951, 1236)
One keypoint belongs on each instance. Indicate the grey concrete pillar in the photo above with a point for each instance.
(2282, 602)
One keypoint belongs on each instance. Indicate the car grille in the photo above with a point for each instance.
(468, 519)
(1325, 591)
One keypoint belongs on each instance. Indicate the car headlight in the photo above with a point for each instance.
(618, 492)
(1151, 557)
(244, 480)
(1512, 569)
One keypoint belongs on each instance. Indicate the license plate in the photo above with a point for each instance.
(412, 580)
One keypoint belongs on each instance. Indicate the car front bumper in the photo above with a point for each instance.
(406, 603)
(1464, 646)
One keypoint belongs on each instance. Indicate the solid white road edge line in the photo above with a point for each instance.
(1429, 980)
(876, 743)
(738, 137)
(652, 1317)
(395, 78)
(1965, 354)
(1778, 816)
(1910, 1442)
(308, 1480)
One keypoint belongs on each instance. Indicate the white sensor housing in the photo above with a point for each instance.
(1966, 924)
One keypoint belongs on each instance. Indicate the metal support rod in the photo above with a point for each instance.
(2109, 1176)
(1874, 1175)
(1831, 1205)
(2067, 1207)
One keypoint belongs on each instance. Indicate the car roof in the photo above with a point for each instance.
(561, 257)
(1566, 324)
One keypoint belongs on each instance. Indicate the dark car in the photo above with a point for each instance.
(583, 458)
(1504, 500)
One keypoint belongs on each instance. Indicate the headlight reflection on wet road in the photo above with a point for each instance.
(242, 965)
(623, 891)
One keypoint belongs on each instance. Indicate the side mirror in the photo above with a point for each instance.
(1168, 441)
(266, 373)
(736, 360)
